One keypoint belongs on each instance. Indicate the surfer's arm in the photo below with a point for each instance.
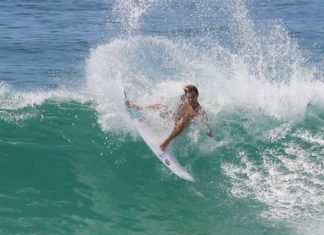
(179, 126)
(205, 120)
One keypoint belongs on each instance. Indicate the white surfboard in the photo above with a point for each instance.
(167, 159)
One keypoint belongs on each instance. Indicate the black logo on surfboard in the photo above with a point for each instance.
(162, 155)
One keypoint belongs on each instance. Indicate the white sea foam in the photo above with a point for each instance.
(154, 69)
(289, 184)
(311, 138)
(279, 132)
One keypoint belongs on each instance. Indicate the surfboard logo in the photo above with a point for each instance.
(167, 162)
(161, 155)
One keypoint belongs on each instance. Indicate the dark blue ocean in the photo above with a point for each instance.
(72, 161)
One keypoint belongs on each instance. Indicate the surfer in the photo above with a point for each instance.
(188, 110)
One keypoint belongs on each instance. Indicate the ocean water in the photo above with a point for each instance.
(71, 162)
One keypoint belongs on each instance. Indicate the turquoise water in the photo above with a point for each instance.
(72, 162)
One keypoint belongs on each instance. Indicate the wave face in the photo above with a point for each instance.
(71, 160)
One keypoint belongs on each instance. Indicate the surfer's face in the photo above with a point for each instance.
(191, 96)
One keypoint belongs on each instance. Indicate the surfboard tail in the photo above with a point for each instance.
(186, 176)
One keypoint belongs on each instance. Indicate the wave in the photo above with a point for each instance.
(263, 96)
(254, 157)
